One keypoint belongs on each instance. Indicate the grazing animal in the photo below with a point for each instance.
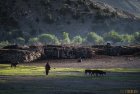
(88, 72)
(95, 72)
(14, 65)
(98, 72)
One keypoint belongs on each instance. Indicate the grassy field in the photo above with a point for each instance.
(35, 70)
(32, 80)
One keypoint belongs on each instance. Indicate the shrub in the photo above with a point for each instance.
(4, 43)
(137, 37)
(20, 40)
(127, 38)
(92, 37)
(66, 39)
(33, 40)
(112, 36)
(48, 39)
(77, 40)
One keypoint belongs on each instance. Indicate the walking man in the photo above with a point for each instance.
(47, 68)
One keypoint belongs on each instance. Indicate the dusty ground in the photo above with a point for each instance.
(96, 62)
(75, 82)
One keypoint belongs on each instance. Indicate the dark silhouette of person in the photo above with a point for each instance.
(47, 68)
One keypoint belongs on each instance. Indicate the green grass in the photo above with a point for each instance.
(122, 69)
(32, 79)
(37, 71)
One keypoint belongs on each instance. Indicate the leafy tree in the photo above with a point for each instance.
(34, 40)
(66, 39)
(92, 37)
(77, 40)
(127, 38)
(137, 37)
(20, 40)
(112, 36)
(48, 39)
(4, 43)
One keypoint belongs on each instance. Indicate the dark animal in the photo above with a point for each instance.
(14, 65)
(89, 72)
(98, 72)
(95, 72)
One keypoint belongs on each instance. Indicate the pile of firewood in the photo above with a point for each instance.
(68, 52)
(116, 50)
(19, 55)
(8, 56)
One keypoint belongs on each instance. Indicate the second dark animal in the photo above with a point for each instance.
(14, 65)
(95, 72)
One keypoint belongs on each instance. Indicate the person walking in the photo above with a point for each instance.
(47, 68)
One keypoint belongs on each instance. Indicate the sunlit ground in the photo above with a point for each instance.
(32, 80)
(5, 69)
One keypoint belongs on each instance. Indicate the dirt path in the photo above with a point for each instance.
(96, 62)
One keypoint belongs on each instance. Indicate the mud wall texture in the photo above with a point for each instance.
(68, 52)
(21, 54)
(116, 50)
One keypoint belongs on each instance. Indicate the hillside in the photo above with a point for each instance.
(29, 18)
(131, 6)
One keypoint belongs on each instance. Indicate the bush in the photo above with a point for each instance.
(66, 39)
(137, 37)
(33, 40)
(112, 36)
(77, 40)
(4, 43)
(127, 38)
(20, 40)
(92, 37)
(48, 39)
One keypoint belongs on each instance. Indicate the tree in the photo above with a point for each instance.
(4, 43)
(92, 37)
(48, 39)
(66, 39)
(112, 36)
(127, 38)
(137, 37)
(34, 40)
(20, 40)
(77, 40)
